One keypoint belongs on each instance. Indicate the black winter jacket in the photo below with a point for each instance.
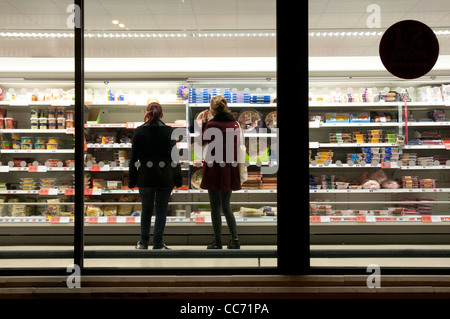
(151, 149)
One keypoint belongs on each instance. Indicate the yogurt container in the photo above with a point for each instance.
(43, 123)
(34, 121)
(61, 123)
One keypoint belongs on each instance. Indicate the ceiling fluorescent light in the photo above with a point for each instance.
(130, 34)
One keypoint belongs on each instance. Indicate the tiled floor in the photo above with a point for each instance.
(224, 262)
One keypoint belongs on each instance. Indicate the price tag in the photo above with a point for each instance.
(93, 220)
(130, 125)
(111, 219)
(55, 220)
(32, 169)
(130, 219)
(200, 219)
(315, 219)
(88, 191)
(361, 219)
(313, 144)
(4, 169)
(44, 191)
(69, 191)
(95, 168)
(426, 219)
(70, 130)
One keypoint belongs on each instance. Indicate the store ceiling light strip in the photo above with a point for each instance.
(360, 33)
(224, 34)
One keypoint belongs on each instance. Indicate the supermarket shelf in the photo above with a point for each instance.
(319, 145)
(374, 219)
(375, 104)
(60, 151)
(354, 104)
(236, 105)
(379, 191)
(392, 165)
(398, 202)
(37, 131)
(114, 145)
(37, 103)
(353, 124)
(125, 219)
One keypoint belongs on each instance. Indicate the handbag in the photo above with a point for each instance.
(241, 153)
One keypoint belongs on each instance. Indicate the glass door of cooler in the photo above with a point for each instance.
(37, 135)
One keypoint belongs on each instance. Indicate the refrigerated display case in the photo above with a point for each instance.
(379, 165)
(112, 209)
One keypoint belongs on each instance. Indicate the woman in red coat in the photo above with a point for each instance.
(220, 172)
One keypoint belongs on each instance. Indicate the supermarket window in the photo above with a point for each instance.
(378, 141)
(36, 128)
(179, 54)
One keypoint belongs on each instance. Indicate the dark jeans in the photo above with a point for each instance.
(157, 200)
(220, 202)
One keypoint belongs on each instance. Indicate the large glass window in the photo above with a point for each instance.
(378, 141)
(36, 127)
(179, 54)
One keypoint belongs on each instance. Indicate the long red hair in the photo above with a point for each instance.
(153, 113)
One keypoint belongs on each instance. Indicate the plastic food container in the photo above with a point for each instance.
(61, 123)
(9, 123)
(52, 112)
(6, 145)
(26, 139)
(52, 123)
(26, 146)
(34, 123)
(2, 123)
(43, 123)
(52, 140)
(16, 145)
(70, 123)
(70, 115)
(60, 111)
(40, 140)
(52, 146)
(39, 146)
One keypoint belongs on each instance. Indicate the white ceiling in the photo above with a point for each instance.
(352, 14)
(138, 15)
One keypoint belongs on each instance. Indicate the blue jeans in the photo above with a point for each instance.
(157, 200)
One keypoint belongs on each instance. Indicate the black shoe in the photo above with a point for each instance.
(141, 246)
(214, 245)
(163, 246)
(234, 244)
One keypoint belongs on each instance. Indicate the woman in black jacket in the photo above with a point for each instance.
(152, 170)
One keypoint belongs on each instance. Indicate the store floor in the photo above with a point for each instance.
(336, 262)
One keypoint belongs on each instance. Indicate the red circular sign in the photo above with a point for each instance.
(409, 49)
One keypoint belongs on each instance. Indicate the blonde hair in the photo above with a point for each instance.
(218, 105)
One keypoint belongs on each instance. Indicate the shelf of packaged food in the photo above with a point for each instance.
(377, 218)
(20, 151)
(246, 134)
(353, 124)
(374, 104)
(354, 104)
(419, 147)
(391, 165)
(129, 125)
(379, 191)
(125, 219)
(428, 202)
(38, 131)
(230, 105)
(319, 145)
(114, 145)
(37, 103)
